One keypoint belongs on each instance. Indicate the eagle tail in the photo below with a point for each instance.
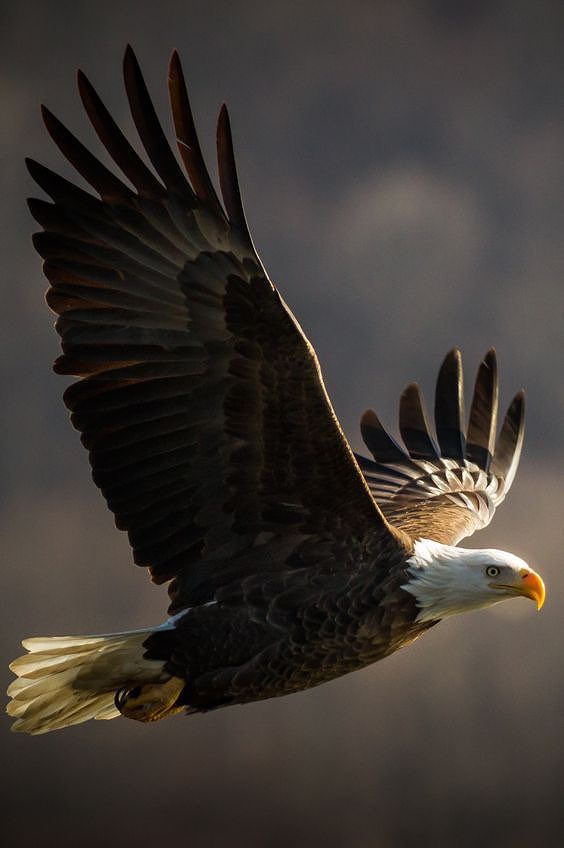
(65, 680)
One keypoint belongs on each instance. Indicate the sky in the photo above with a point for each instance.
(402, 171)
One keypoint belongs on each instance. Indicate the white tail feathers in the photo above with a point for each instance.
(65, 680)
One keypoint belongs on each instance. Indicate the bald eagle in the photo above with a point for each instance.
(290, 560)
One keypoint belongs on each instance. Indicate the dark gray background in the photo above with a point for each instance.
(402, 167)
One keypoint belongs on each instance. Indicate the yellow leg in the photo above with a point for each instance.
(152, 701)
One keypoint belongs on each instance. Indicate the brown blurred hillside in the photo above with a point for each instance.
(402, 165)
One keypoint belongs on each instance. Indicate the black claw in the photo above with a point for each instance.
(123, 695)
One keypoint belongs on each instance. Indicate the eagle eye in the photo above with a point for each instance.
(492, 571)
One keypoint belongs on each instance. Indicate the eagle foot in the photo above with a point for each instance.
(152, 701)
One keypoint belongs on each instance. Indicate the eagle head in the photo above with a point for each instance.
(445, 580)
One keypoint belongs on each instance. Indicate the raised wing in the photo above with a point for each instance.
(448, 488)
(200, 401)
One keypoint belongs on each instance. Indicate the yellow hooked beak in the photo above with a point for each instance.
(530, 585)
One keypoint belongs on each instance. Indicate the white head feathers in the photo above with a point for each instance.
(447, 580)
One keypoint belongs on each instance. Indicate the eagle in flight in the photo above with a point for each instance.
(290, 560)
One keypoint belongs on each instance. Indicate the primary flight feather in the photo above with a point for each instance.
(210, 433)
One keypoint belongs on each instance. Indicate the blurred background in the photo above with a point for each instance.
(403, 173)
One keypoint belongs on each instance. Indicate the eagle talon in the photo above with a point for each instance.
(152, 701)
(123, 695)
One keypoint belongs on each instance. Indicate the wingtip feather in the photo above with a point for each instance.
(175, 63)
(482, 424)
(413, 425)
(449, 406)
(378, 441)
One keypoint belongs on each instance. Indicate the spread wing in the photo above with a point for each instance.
(448, 489)
(200, 400)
